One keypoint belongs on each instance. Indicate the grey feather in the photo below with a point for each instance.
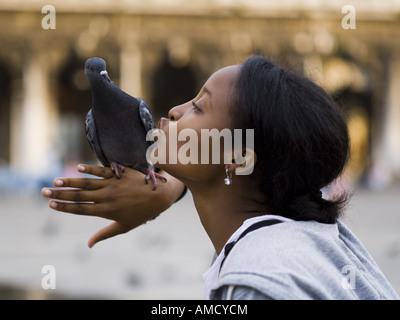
(146, 116)
(91, 135)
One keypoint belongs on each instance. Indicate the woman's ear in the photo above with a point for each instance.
(246, 162)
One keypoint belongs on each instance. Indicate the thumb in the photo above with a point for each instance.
(111, 230)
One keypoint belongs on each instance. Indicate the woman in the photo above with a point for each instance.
(297, 247)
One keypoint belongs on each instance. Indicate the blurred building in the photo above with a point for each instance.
(163, 51)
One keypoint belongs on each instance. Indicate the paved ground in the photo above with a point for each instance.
(163, 259)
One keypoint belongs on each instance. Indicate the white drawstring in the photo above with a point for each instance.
(230, 292)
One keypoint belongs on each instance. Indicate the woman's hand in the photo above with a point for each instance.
(128, 201)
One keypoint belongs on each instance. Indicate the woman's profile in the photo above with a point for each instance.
(276, 234)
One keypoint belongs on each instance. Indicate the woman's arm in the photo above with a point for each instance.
(128, 201)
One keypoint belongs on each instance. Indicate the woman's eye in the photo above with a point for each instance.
(196, 107)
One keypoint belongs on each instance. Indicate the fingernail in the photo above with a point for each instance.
(46, 192)
(53, 204)
(81, 168)
(58, 183)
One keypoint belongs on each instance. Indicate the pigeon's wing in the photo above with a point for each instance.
(91, 134)
(146, 116)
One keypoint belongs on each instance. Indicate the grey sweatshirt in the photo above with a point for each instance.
(301, 260)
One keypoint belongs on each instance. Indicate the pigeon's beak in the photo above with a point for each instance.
(104, 74)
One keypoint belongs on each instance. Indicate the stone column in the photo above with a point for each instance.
(130, 69)
(130, 40)
(391, 128)
(386, 154)
(33, 119)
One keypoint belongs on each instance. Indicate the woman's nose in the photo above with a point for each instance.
(176, 112)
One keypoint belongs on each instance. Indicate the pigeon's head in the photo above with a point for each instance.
(95, 68)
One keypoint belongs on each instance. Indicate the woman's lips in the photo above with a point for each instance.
(161, 123)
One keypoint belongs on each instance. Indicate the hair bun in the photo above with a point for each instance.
(316, 195)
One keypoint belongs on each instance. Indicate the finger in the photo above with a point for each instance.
(111, 230)
(100, 171)
(81, 183)
(72, 195)
(80, 208)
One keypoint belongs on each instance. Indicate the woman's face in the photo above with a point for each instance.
(188, 157)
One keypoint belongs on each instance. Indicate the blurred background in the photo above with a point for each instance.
(163, 51)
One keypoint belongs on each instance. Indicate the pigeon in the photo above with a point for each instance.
(117, 124)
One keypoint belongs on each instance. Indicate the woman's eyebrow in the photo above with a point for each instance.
(207, 91)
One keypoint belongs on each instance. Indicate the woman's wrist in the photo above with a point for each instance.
(173, 190)
(185, 189)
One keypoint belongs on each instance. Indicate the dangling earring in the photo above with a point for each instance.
(228, 179)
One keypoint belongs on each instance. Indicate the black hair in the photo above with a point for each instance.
(300, 138)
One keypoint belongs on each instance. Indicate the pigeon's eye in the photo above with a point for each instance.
(91, 68)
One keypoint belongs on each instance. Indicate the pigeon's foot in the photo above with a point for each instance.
(115, 167)
(150, 174)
